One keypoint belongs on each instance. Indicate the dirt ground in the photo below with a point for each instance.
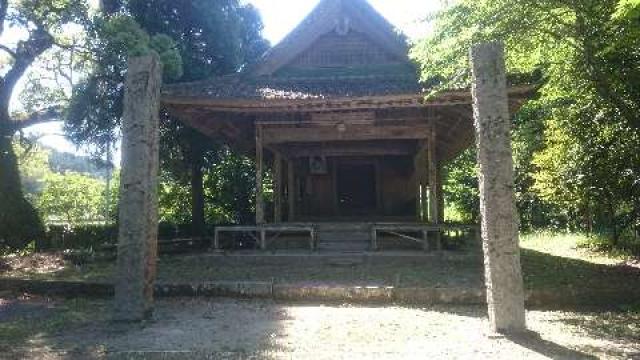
(38, 328)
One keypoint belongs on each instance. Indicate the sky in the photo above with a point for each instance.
(280, 17)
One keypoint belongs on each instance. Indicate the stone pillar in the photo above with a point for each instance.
(503, 276)
(138, 216)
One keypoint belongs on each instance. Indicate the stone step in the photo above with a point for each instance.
(344, 227)
(344, 261)
(351, 246)
(343, 236)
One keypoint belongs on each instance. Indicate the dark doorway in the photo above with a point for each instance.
(356, 185)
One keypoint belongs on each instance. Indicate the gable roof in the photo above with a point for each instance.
(329, 16)
(262, 81)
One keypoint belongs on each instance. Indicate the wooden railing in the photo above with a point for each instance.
(263, 234)
(407, 232)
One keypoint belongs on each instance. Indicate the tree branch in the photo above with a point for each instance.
(4, 5)
(39, 117)
(8, 51)
(26, 53)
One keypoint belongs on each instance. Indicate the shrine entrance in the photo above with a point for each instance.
(357, 189)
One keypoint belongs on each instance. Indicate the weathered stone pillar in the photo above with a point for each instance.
(503, 276)
(138, 217)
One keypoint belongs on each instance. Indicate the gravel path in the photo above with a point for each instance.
(233, 329)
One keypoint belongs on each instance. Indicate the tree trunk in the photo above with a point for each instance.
(19, 221)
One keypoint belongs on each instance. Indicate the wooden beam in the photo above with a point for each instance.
(342, 149)
(354, 133)
(259, 173)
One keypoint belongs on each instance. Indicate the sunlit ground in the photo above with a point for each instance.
(36, 328)
(190, 329)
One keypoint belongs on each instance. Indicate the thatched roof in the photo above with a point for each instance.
(269, 88)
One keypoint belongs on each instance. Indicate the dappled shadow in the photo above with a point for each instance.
(187, 328)
(610, 325)
(590, 283)
(533, 341)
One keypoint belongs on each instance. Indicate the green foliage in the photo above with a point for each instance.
(95, 111)
(72, 198)
(44, 24)
(229, 182)
(461, 189)
(230, 189)
(576, 146)
(33, 163)
(214, 37)
(119, 37)
(196, 40)
(627, 10)
(51, 15)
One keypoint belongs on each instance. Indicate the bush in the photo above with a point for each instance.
(95, 237)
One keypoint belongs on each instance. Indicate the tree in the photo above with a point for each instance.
(44, 23)
(214, 38)
(211, 37)
(584, 127)
(95, 110)
(72, 197)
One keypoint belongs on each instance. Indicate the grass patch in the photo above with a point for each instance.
(572, 246)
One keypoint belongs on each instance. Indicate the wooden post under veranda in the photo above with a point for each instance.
(277, 188)
(432, 169)
(291, 190)
(259, 175)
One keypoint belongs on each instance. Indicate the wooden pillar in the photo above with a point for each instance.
(277, 185)
(138, 213)
(421, 165)
(417, 168)
(503, 274)
(440, 192)
(259, 175)
(291, 189)
(432, 165)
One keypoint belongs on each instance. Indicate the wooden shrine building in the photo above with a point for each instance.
(336, 111)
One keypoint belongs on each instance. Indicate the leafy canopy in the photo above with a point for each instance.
(576, 144)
